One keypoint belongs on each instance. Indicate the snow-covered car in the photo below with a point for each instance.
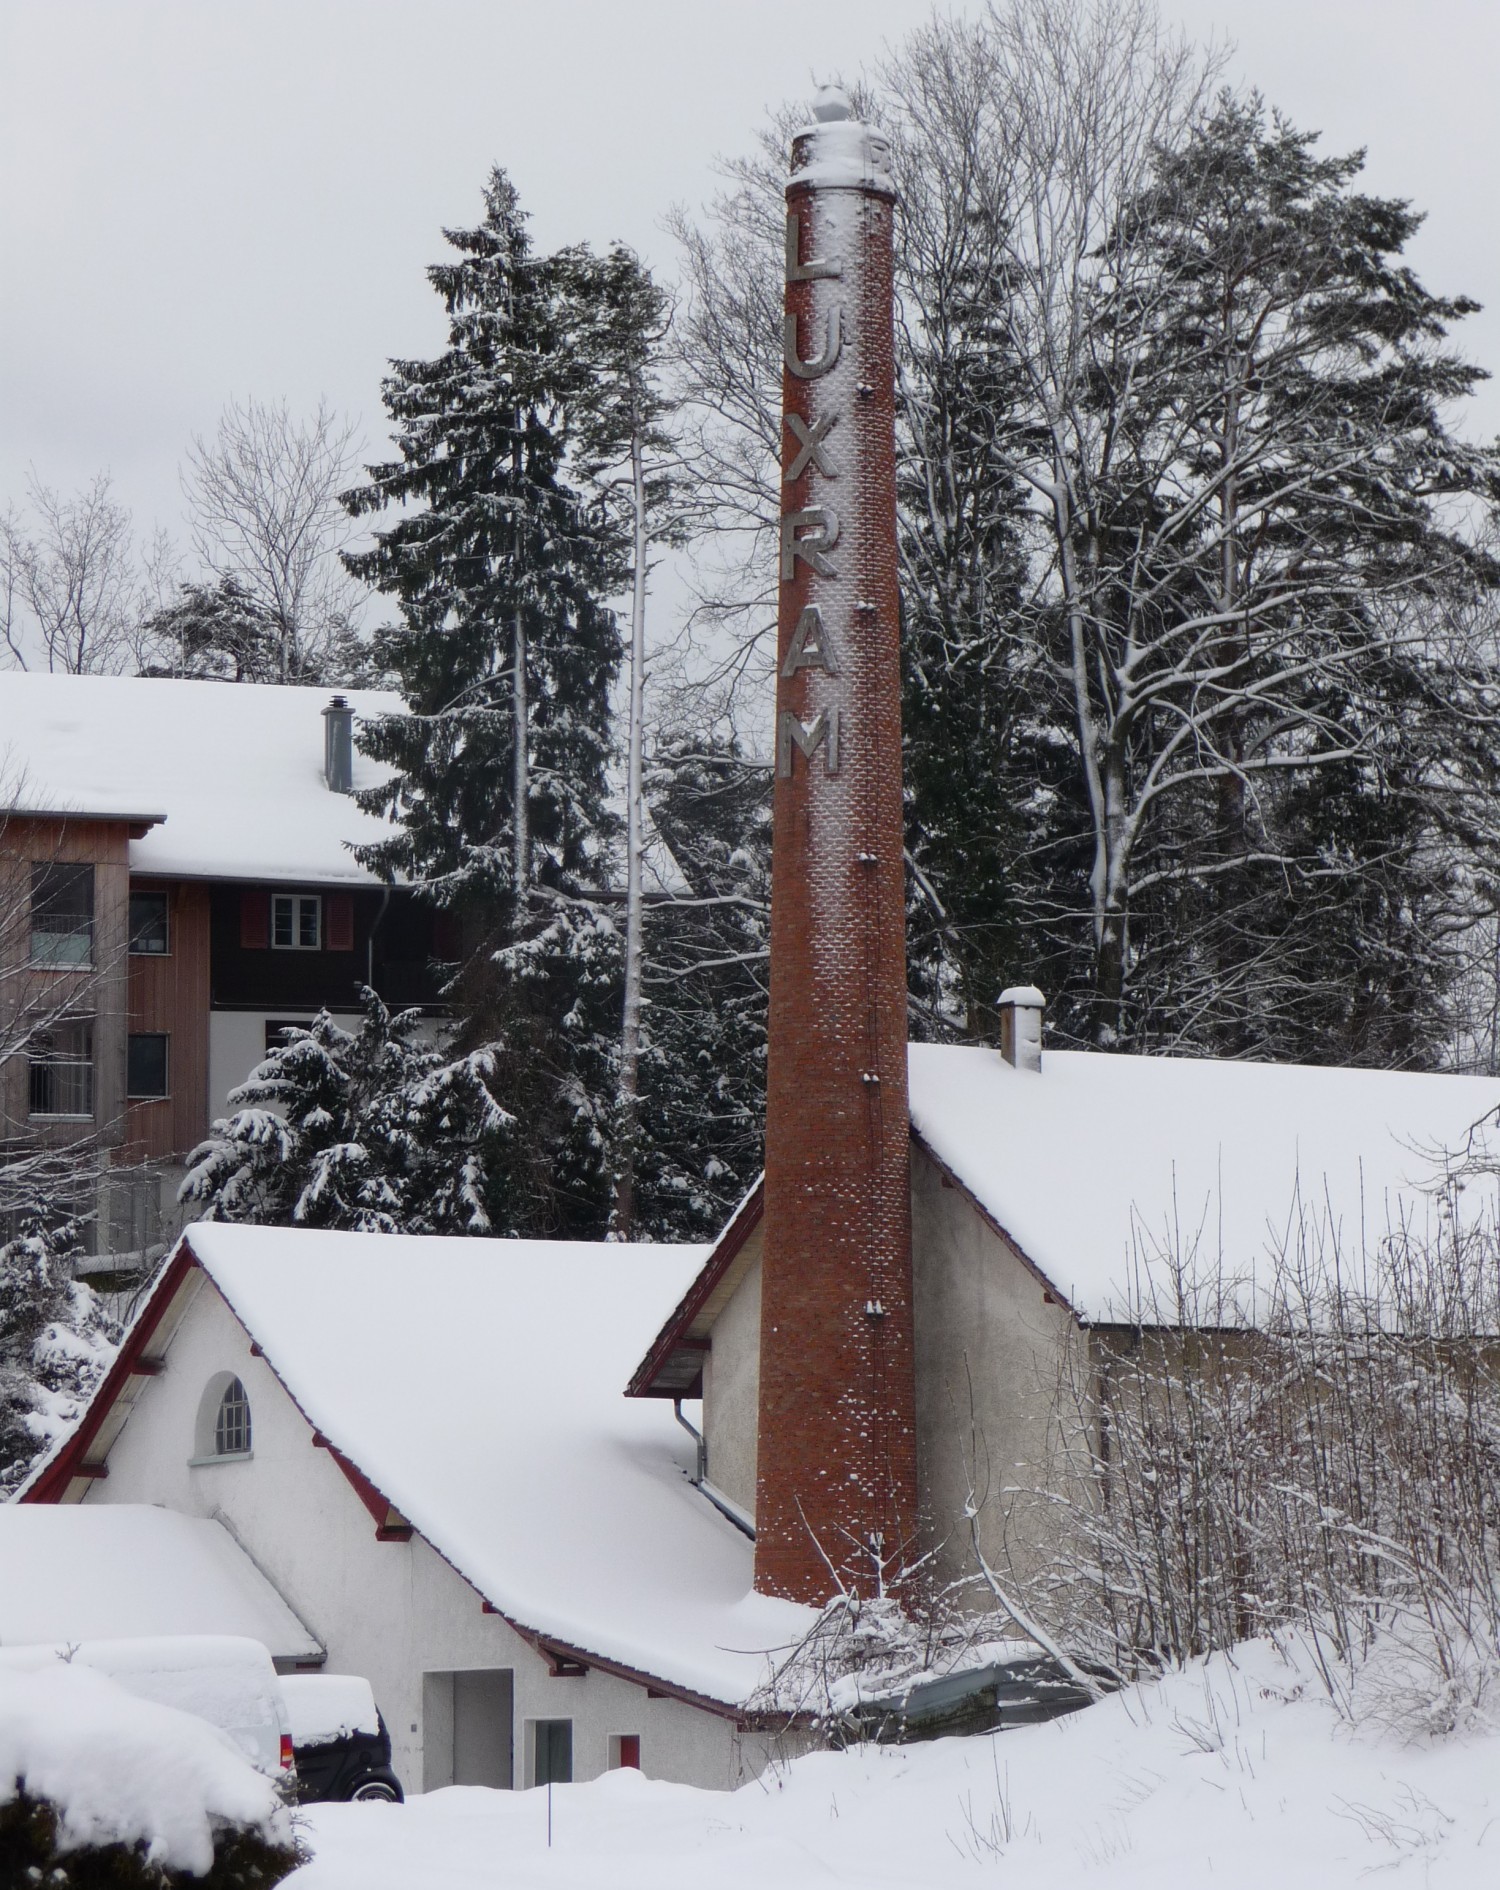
(226, 1679)
(342, 1748)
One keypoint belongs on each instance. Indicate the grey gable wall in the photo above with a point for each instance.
(989, 1350)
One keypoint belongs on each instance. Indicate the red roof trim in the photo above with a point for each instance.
(51, 1484)
(742, 1223)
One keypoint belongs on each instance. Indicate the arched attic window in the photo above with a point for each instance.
(223, 1428)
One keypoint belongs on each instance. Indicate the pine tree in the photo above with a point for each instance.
(505, 655)
(371, 1130)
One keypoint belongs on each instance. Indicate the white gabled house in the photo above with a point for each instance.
(422, 1444)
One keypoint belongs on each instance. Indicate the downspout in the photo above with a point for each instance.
(730, 1510)
(385, 900)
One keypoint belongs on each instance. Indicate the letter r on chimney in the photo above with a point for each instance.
(823, 536)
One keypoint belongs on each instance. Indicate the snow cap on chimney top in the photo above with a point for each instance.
(1021, 1007)
(837, 152)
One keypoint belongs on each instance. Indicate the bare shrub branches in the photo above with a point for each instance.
(1316, 1451)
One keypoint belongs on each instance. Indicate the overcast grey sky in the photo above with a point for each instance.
(213, 199)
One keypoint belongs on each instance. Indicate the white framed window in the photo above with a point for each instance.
(61, 1057)
(222, 1433)
(296, 922)
(232, 1422)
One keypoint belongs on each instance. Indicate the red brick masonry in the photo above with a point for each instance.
(836, 1448)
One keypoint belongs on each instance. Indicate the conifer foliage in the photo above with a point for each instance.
(56, 1342)
(369, 1129)
(504, 652)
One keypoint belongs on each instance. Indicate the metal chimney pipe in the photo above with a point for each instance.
(338, 746)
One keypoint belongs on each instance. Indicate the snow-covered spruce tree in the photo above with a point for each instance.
(1226, 772)
(371, 1129)
(56, 1340)
(506, 655)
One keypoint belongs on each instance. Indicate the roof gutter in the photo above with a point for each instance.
(726, 1506)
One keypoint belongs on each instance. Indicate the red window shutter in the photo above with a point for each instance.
(339, 913)
(630, 1750)
(255, 921)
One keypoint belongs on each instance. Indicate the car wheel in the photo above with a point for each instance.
(378, 1790)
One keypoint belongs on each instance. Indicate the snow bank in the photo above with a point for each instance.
(126, 1770)
(1100, 1161)
(1235, 1773)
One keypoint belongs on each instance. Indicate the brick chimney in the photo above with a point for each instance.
(836, 1451)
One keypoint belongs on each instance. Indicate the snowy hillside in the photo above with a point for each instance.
(1237, 1773)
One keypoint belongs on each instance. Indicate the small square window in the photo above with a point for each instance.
(296, 922)
(146, 1071)
(62, 1068)
(148, 924)
(62, 915)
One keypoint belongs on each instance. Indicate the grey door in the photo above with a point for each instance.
(482, 1728)
(466, 1737)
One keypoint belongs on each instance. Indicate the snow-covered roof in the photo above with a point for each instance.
(119, 1571)
(232, 773)
(1090, 1165)
(478, 1385)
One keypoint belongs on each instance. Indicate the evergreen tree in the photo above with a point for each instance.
(56, 1340)
(216, 631)
(505, 655)
(370, 1130)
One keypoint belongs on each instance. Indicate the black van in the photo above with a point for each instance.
(342, 1748)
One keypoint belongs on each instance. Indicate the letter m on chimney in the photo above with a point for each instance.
(790, 733)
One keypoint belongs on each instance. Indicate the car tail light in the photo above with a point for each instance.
(286, 1752)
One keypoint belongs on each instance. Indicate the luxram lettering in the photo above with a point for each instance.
(812, 531)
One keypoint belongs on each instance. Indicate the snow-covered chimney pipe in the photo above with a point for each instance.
(1021, 1010)
(338, 746)
(836, 1446)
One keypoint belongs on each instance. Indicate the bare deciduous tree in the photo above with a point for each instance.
(263, 504)
(70, 587)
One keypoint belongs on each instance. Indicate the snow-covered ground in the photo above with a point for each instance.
(1236, 1773)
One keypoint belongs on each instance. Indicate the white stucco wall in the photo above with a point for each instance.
(391, 1611)
(237, 1042)
(731, 1388)
(989, 1348)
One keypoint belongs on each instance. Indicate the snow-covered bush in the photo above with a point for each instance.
(98, 1788)
(1318, 1453)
